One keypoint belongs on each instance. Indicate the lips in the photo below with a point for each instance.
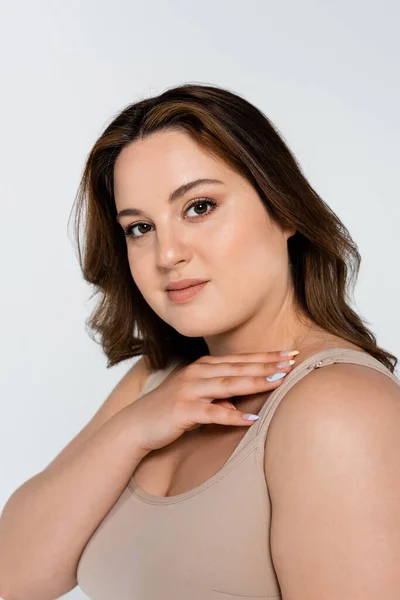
(186, 293)
(184, 283)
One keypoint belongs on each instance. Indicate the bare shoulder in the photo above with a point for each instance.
(124, 392)
(332, 463)
(339, 391)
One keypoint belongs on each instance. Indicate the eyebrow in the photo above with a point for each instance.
(175, 195)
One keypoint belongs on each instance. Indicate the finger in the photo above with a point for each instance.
(213, 413)
(209, 389)
(275, 355)
(225, 403)
(239, 369)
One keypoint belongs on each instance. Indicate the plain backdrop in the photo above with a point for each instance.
(327, 75)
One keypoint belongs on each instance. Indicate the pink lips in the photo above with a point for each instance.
(185, 294)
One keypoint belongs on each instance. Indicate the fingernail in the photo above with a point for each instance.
(289, 353)
(250, 417)
(276, 376)
(285, 363)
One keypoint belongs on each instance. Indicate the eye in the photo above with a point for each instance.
(201, 202)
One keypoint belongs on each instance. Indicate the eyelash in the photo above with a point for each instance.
(128, 230)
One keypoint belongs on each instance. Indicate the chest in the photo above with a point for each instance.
(212, 544)
(209, 544)
(195, 457)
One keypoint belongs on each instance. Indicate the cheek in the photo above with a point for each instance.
(141, 269)
(138, 271)
(240, 248)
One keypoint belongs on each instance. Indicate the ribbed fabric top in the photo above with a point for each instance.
(206, 543)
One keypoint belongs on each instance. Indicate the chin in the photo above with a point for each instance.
(198, 330)
(193, 332)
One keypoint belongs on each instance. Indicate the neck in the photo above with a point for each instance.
(274, 326)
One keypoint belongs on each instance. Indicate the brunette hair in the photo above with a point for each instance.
(323, 258)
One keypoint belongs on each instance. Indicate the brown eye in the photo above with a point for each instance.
(202, 203)
(128, 230)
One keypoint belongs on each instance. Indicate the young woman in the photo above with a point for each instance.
(221, 267)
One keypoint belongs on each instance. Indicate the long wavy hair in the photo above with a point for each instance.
(324, 261)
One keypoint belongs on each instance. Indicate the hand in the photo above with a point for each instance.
(195, 395)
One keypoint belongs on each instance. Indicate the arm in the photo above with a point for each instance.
(47, 522)
(333, 469)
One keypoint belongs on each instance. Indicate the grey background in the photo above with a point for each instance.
(326, 73)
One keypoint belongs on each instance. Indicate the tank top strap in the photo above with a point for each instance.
(157, 376)
(321, 359)
(256, 434)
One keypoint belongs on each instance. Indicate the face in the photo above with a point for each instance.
(226, 237)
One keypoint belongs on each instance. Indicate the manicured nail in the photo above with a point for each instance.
(250, 417)
(289, 353)
(285, 363)
(276, 376)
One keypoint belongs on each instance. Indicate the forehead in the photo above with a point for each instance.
(162, 161)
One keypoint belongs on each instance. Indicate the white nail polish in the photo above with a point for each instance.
(250, 417)
(276, 376)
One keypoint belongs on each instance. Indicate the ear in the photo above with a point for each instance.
(290, 232)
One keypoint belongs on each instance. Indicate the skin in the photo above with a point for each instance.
(247, 306)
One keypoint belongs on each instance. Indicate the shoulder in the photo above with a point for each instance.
(334, 397)
(151, 377)
(136, 376)
(144, 370)
(332, 463)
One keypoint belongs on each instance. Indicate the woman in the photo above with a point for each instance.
(166, 493)
(275, 260)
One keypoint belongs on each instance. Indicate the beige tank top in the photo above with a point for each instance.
(209, 543)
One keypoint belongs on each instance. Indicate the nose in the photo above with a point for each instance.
(171, 247)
